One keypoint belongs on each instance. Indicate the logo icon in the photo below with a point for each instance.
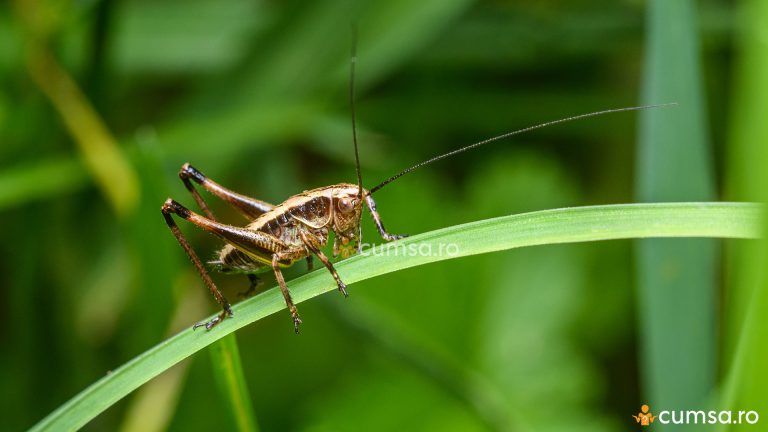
(644, 417)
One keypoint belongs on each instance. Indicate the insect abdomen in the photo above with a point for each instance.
(232, 260)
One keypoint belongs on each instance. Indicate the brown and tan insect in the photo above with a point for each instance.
(279, 235)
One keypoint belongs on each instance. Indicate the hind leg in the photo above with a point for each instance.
(226, 309)
(242, 238)
(249, 207)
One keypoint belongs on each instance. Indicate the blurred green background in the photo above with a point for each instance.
(103, 101)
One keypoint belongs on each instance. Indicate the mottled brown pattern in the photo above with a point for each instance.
(279, 235)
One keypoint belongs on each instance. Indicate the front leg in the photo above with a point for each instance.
(379, 225)
(311, 244)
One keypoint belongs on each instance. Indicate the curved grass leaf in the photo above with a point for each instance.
(569, 225)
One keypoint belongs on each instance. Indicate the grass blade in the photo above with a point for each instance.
(579, 224)
(154, 405)
(746, 300)
(676, 279)
(100, 151)
(228, 372)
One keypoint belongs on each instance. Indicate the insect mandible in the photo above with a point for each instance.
(279, 235)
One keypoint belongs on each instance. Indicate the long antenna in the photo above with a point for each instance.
(352, 62)
(509, 134)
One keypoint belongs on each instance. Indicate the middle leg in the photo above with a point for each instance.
(253, 283)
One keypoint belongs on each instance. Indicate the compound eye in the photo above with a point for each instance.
(346, 205)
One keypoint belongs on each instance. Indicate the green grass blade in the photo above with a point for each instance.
(746, 300)
(579, 224)
(676, 279)
(101, 153)
(228, 372)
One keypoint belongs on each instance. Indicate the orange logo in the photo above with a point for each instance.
(644, 417)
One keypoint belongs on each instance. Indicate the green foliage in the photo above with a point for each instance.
(255, 95)
(225, 359)
(746, 301)
(731, 220)
(674, 164)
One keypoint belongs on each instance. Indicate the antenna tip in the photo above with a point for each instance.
(662, 105)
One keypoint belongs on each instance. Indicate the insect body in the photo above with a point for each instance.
(279, 235)
(299, 228)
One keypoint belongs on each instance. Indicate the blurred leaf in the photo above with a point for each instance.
(228, 371)
(420, 405)
(153, 406)
(100, 151)
(184, 38)
(99, 310)
(524, 334)
(387, 334)
(674, 163)
(40, 180)
(279, 93)
(746, 301)
(733, 220)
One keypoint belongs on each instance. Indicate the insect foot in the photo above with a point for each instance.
(343, 288)
(215, 320)
(296, 321)
(393, 237)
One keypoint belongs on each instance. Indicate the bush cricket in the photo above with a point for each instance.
(279, 235)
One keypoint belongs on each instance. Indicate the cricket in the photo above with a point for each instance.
(300, 227)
